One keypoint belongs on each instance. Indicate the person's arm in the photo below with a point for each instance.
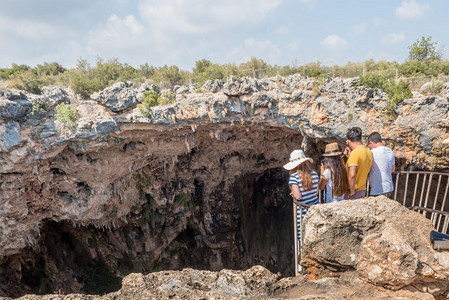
(322, 183)
(347, 152)
(323, 179)
(393, 168)
(351, 178)
(296, 193)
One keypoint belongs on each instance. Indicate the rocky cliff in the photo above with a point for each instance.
(198, 183)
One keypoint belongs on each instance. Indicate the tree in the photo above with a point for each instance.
(424, 50)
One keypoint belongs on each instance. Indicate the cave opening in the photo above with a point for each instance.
(224, 204)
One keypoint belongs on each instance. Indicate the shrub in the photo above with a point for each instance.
(40, 107)
(397, 92)
(372, 80)
(66, 114)
(27, 81)
(85, 80)
(424, 49)
(205, 70)
(416, 68)
(435, 87)
(150, 99)
(167, 98)
(169, 76)
(49, 69)
(14, 71)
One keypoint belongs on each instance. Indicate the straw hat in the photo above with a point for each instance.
(332, 150)
(297, 157)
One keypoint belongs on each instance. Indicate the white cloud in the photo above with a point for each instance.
(32, 30)
(358, 29)
(177, 17)
(411, 10)
(121, 33)
(333, 42)
(393, 38)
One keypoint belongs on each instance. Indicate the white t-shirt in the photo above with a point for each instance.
(380, 178)
(330, 188)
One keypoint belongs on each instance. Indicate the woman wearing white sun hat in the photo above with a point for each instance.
(303, 182)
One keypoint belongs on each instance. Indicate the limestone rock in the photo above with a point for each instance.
(417, 115)
(14, 109)
(119, 97)
(424, 88)
(243, 86)
(54, 95)
(9, 135)
(349, 286)
(253, 283)
(375, 238)
(212, 86)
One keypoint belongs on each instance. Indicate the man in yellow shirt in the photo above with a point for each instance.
(358, 165)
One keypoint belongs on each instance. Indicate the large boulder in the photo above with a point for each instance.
(9, 135)
(384, 242)
(121, 96)
(14, 109)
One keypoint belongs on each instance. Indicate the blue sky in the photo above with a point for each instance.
(180, 32)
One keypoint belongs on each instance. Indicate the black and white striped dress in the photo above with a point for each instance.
(309, 197)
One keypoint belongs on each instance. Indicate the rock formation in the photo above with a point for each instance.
(385, 243)
(371, 248)
(117, 192)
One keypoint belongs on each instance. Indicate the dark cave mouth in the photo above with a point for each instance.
(83, 259)
(256, 228)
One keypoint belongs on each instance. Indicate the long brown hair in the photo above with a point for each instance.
(339, 175)
(304, 172)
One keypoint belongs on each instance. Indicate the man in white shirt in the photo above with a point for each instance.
(380, 175)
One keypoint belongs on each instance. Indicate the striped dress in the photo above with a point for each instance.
(309, 197)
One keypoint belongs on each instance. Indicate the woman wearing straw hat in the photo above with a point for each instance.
(303, 182)
(333, 174)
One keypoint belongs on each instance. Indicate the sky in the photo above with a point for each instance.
(181, 32)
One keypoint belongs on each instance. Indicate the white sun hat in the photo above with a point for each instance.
(297, 157)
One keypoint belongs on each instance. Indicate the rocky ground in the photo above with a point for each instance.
(365, 249)
(129, 193)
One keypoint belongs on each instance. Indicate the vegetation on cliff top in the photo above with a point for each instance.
(424, 59)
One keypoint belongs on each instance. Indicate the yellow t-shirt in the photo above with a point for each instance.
(361, 157)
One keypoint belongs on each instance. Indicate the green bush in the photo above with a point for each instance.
(167, 98)
(150, 99)
(205, 70)
(424, 49)
(39, 109)
(66, 114)
(397, 92)
(169, 76)
(414, 68)
(85, 80)
(14, 71)
(49, 69)
(372, 80)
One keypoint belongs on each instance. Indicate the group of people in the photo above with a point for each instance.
(373, 162)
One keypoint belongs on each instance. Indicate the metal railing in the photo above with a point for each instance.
(299, 249)
(425, 192)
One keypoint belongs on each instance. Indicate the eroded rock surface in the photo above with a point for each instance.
(385, 243)
(130, 193)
